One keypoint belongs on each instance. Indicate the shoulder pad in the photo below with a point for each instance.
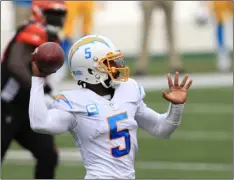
(75, 100)
(33, 34)
(132, 90)
(69, 101)
(139, 88)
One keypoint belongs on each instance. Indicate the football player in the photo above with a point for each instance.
(77, 10)
(221, 12)
(174, 60)
(104, 114)
(16, 74)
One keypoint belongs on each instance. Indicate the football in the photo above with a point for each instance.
(49, 57)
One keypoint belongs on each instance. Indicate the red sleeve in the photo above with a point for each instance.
(33, 34)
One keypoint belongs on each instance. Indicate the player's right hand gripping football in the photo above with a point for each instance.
(36, 72)
(177, 93)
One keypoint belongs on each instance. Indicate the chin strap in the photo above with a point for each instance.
(105, 85)
(109, 83)
(114, 84)
(81, 83)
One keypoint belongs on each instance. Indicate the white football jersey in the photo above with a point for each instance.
(105, 130)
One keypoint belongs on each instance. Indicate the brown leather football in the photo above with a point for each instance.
(49, 57)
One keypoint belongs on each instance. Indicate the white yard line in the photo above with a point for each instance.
(159, 82)
(70, 158)
(66, 154)
(184, 166)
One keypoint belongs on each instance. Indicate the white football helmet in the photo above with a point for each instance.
(94, 59)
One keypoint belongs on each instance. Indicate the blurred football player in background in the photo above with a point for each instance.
(44, 25)
(105, 113)
(222, 13)
(22, 11)
(174, 63)
(77, 10)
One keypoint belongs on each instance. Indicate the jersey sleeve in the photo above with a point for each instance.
(63, 102)
(157, 124)
(44, 120)
(33, 34)
(154, 123)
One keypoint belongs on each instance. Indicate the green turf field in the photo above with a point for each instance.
(200, 148)
(192, 64)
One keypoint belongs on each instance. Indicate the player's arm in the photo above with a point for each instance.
(157, 124)
(42, 120)
(164, 124)
(18, 63)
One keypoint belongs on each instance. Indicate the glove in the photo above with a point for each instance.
(66, 44)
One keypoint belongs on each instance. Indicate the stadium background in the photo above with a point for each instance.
(202, 146)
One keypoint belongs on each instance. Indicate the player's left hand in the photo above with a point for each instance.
(177, 93)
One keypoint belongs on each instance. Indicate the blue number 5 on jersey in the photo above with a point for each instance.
(115, 134)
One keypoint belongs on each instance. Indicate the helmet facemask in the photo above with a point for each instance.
(113, 65)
